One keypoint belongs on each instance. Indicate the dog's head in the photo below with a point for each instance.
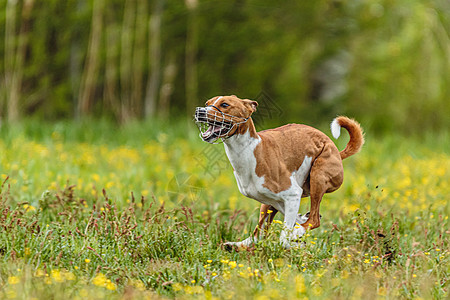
(222, 116)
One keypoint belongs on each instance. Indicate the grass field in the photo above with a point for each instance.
(90, 211)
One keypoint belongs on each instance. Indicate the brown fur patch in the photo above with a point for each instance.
(283, 149)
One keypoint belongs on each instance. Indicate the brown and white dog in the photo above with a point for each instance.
(279, 166)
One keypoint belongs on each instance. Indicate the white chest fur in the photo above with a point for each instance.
(240, 151)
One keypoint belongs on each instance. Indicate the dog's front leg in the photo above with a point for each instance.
(291, 232)
(266, 215)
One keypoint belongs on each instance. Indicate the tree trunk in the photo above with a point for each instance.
(191, 56)
(112, 49)
(139, 55)
(17, 55)
(154, 59)
(10, 38)
(91, 68)
(76, 66)
(170, 72)
(126, 56)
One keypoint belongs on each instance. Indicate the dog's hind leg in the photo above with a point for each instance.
(326, 176)
(314, 215)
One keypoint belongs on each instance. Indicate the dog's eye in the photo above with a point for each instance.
(224, 105)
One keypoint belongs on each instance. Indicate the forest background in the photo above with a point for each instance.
(384, 62)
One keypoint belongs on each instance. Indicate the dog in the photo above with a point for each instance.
(279, 166)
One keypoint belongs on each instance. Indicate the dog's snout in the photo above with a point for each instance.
(200, 114)
(200, 110)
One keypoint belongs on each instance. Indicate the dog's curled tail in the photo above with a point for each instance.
(355, 131)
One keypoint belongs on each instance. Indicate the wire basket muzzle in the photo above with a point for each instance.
(213, 124)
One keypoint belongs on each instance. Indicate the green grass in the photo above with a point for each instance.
(91, 210)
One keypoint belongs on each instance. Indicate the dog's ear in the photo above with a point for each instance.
(251, 104)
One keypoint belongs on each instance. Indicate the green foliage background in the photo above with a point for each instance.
(384, 62)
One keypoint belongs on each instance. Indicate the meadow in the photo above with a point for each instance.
(90, 210)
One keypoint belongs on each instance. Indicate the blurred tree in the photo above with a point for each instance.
(15, 51)
(155, 58)
(192, 36)
(167, 87)
(112, 53)
(91, 67)
(384, 62)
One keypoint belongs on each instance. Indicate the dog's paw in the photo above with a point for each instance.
(298, 244)
(293, 244)
(303, 218)
(298, 232)
(290, 238)
(229, 246)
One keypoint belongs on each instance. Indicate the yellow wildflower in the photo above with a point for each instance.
(111, 286)
(29, 207)
(177, 287)
(13, 280)
(39, 273)
(69, 276)
(56, 275)
(99, 280)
